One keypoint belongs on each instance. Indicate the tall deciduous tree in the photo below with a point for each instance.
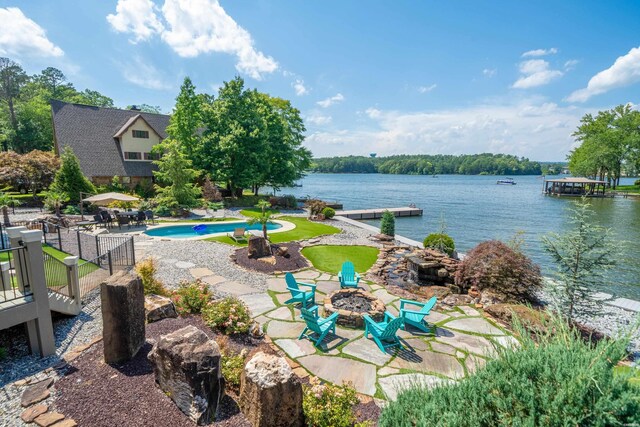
(69, 179)
(12, 78)
(34, 171)
(582, 255)
(176, 173)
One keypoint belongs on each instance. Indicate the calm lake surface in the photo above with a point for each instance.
(476, 209)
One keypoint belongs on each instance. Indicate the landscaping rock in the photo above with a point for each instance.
(48, 419)
(36, 392)
(186, 364)
(30, 414)
(270, 393)
(123, 317)
(157, 307)
(67, 422)
(258, 247)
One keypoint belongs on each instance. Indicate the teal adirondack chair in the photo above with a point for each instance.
(317, 325)
(348, 276)
(384, 333)
(297, 294)
(416, 318)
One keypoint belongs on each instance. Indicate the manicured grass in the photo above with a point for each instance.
(255, 212)
(305, 229)
(628, 188)
(330, 258)
(56, 272)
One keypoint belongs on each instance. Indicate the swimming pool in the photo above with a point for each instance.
(186, 231)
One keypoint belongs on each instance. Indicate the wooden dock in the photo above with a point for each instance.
(377, 213)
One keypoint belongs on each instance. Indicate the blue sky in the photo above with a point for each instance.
(388, 77)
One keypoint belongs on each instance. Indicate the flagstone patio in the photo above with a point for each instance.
(462, 341)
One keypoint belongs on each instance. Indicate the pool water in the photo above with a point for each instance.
(187, 231)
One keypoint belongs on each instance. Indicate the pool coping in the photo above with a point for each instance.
(285, 226)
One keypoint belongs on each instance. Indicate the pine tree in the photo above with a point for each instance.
(388, 224)
(174, 170)
(69, 178)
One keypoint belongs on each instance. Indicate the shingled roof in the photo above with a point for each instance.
(90, 131)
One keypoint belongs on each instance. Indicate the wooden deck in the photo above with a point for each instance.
(377, 213)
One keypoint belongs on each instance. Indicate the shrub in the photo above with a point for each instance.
(440, 241)
(162, 210)
(71, 210)
(210, 192)
(191, 298)
(315, 206)
(494, 265)
(328, 212)
(229, 315)
(144, 189)
(554, 379)
(147, 269)
(388, 224)
(3, 353)
(232, 366)
(329, 405)
(69, 178)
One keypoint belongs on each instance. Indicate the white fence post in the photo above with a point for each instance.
(14, 242)
(6, 276)
(73, 279)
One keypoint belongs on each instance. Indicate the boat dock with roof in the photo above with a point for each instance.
(575, 187)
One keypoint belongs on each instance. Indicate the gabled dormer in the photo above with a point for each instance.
(137, 137)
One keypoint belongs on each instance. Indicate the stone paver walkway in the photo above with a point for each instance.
(462, 342)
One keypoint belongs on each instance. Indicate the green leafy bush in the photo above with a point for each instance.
(496, 266)
(388, 224)
(328, 212)
(229, 315)
(163, 210)
(440, 241)
(232, 366)
(329, 405)
(553, 379)
(191, 298)
(3, 353)
(315, 206)
(147, 269)
(71, 210)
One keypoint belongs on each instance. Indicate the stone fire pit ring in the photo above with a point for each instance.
(350, 315)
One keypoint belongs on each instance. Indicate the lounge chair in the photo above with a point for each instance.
(238, 235)
(416, 318)
(383, 333)
(348, 276)
(124, 220)
(317, 325)
(298, 295)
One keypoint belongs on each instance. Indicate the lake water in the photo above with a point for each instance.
(476, 209)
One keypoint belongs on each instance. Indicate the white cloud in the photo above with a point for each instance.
(535, 72)
(192, 28)
(533, 128)
(20, 36)
(570, 64)
(299, 87)
(540, 52)
(489, 72)
(142, 73)
(137, 17)
(319, 119)
(325, 103)
(625, 71)
(426, 89)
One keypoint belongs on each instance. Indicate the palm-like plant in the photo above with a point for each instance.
(264, 218)
(55, 199)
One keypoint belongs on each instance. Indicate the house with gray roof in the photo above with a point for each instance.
(108, 141)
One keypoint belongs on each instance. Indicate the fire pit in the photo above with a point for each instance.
(351, 305)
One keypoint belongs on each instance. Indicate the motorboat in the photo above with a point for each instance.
(506, 181)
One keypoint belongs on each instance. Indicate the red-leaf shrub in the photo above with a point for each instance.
(494, 266)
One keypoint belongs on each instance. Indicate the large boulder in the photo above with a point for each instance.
(158, 307)
(270, 393)
(186, 364)
(123, 317)
(258, 247)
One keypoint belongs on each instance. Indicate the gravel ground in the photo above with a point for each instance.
(69, 333)
(25, 214)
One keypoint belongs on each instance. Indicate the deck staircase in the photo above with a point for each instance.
(64, 304)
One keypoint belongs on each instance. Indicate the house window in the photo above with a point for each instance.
(141, 134)
(132, 155)
(151, 156)
(125, 179)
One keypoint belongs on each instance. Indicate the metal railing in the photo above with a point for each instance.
(92, 273)
(121, 257)
(14, 275)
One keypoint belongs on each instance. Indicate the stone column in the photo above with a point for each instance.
(123, 328)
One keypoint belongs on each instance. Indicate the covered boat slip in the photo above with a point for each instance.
(576, 187)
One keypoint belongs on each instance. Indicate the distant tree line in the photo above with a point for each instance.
(467, 164)
(25, 112)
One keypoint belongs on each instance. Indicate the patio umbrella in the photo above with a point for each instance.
(105, 199)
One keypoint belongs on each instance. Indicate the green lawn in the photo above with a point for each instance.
(330, 258)
(56, 273)
(305, 229)
(628, 188)
(255, 212)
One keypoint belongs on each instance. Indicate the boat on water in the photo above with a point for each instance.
(506, 181)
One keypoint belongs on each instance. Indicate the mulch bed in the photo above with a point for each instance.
(97, 394)
(294, 262)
